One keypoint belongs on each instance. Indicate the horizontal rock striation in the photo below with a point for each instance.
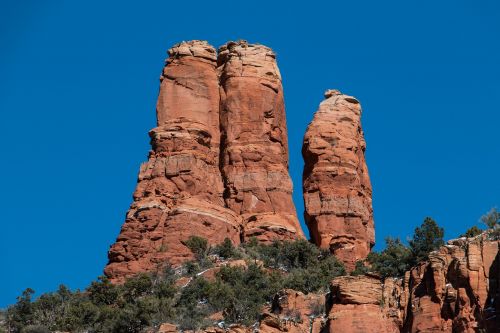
(181, 190)
(254, 140)
(456, 290)
(336, 185)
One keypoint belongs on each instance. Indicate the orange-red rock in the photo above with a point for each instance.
(179, 190)
(357, 305)
(456, 290)
(292, 311)
(254, 142)
(337, 189)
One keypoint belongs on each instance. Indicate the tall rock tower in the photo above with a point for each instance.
(254, 142)
(337, 189)
(219, 161)
(179, 190)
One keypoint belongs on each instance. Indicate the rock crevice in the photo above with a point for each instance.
(218, 167)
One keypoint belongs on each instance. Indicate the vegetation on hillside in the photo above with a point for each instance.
(147, 300)
(397, 258)
(236, 293)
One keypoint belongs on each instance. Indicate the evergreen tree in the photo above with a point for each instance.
(427, 238)
(393, 261)
(472, 232)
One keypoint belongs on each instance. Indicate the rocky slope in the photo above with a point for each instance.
(456, 290)
(337, 189)
(219, 161)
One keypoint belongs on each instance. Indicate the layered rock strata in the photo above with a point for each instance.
(358, 304)
(336, 185)
(181, 191)
(254, 140)
(456, 290)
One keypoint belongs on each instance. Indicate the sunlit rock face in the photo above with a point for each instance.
(254, 142)
(336, 185)
(180, 189)
(218, 167)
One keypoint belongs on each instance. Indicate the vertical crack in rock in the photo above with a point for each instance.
(336, 185)
(255, 147)
(179, 190)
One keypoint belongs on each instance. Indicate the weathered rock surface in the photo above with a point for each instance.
(337, 189)
(457, 290)
(254, 140)
(357, 305)
(292, 311)
(179, 191)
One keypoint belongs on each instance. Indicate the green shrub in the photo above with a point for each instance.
(472, 232)
(492, 218)
(427, 238)
(35, 329)
(227, 250)
(359, 268)
(393, 261)
(197, 245)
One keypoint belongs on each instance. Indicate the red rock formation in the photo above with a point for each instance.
(255, 148)
(457, 290)
(292, 311)
(337, 190)
(179, 190)
(357, 306)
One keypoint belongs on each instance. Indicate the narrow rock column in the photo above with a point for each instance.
(179, 190)
(337, 189)
(254, 142)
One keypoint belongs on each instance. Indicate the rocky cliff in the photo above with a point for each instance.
(219, 161)
(337, 189)
(456, 290)
(255, 143)
(218, 169)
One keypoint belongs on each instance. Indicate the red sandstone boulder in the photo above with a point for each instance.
(358, 305)
(337, 190)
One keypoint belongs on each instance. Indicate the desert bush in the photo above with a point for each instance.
(472, 232)
(359, 268)
(393, 261)
(427, 238)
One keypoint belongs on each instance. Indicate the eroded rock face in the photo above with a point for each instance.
(179, 191)
(357, 305)
(254, 141)
(292, 311)
(457, 290)
(337, 189)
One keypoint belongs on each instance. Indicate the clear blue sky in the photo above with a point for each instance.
(78, 89)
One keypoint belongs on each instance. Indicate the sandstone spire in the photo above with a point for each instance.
(337, 190)
(254, 140)
(179, 190)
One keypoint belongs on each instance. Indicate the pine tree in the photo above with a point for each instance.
(427, 238)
